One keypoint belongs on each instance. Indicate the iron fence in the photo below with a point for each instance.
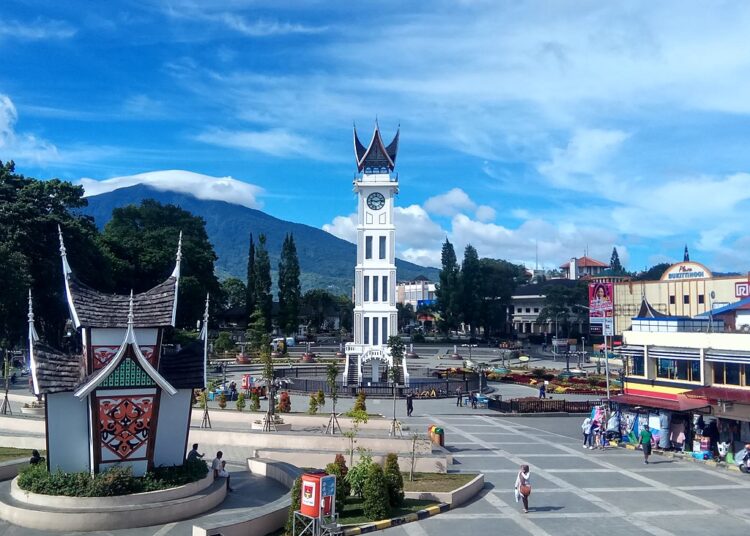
(516, 405)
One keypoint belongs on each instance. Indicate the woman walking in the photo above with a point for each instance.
(523, 487)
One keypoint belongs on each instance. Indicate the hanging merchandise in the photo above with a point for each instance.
(665, 418)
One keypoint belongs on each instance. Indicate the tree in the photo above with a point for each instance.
(30, 212)
(499, 280)
(250, 283)
(470, 299)
(289, 287)
(654, 273)
(394, 480)
(318, 305)
(233, 293)
(406, 315)
(262, 286)
(447, 290)
(224, 343)
(614, 263)
(143, 242)
(562, 302)
(293, 526)
(376, 504)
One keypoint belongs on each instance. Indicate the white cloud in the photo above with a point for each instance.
(585, 154)
(21, 147)
(485, 213)
(201, 186)
(37, 30)
(265, 28)
(275, 142)
(450, 203)
(423, 257)
(414, 228)
(344, 227)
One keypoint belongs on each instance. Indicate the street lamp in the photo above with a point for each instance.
(557, 335)
(606, 351)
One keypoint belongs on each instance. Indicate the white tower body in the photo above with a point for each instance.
(375, 316)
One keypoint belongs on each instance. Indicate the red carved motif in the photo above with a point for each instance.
(125, 423)
(104, 354)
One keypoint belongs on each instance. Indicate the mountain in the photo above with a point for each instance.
(325, 260)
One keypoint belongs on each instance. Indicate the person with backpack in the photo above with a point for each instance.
(522, 487)
(588, 436)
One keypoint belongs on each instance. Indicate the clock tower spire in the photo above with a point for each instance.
(375, 316)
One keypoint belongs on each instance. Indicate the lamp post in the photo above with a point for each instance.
(557, 335)
(606, 351)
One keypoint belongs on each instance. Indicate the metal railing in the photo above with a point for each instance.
(516, 405)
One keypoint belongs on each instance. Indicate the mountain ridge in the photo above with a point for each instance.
(326, 261)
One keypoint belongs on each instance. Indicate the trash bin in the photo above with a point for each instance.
(437, 435)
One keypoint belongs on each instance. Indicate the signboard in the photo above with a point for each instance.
(742, 290)
(601, 309)
(686, 270)
(328, 486)
(425, 303)
(308, 494)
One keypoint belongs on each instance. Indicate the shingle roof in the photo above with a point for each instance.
(56, 371)
(184, 369)
(152, 308)
(585, 262)
(377, 156)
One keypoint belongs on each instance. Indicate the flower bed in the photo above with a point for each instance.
(556, 385)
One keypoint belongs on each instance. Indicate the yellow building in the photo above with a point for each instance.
(685, 289)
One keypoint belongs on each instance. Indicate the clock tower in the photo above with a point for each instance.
(375, 317)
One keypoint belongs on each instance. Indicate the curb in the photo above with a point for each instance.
(396, 521)
(672, 455)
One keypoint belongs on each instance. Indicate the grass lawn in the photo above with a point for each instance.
(436, 481)
(353, 515)
(9, 453)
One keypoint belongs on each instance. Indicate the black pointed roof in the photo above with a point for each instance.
(57, 371)
(376, 157)
(647, 311)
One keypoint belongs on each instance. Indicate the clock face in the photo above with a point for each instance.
(375, 201)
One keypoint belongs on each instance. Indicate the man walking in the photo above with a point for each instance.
(409, 404)
(459, 400)
(644, 440)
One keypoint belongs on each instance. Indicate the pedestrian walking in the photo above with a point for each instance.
(644, 440)
(586, 428)
(522, 487)
(459, 400)
(473, 398)
(409, 404)
(542, 391)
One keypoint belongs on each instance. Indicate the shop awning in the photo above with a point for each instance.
(713, 394)
(682, 403)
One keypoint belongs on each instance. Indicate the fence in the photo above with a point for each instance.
(520, 405)
(420, 389)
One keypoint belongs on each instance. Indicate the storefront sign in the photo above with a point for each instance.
(742, 290)
(686, 270)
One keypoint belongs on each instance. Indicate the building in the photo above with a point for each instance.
(375, 316)
(678, 369)
(528, 301)
(685, 289)
(583, 267)
(119, 401)
(417, 293)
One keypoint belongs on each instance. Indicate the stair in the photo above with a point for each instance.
(351, 378)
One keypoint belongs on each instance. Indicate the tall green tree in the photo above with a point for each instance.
(262, 285)
(406, 315)
(562, 304)
(318, 305)
(447, 290)
(233, 293)
(143, 242)
(614, 263)
(290, 293)
(499, 280)
(654, 273)
(470, 298)
(30, 212)
(250, 300)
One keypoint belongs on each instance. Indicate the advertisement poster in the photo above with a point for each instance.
(601, 308)
(308, 493)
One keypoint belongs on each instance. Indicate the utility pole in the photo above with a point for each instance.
(6, 410)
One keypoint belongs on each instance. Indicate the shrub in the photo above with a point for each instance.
(113, 482)
(222, 401)
(417, 337)
(341, 495)
(254, 401)
(241, 402)
(321, 398)
(376, 504)
(359, 403)
(296, 496)
(341, 462)
(357, 475)
(312, 409)
(394, 480)
(285, 403)
(538, 373)
(203, 399)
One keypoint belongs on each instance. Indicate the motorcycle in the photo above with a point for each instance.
(742, 459)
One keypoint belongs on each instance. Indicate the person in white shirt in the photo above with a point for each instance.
(218, 466)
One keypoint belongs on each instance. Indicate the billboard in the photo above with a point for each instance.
(601, 308)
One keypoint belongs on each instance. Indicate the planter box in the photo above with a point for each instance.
(38, 412)
(280, 427)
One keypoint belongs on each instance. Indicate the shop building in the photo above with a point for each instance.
(417, 293)
(578, 268)
(689, 376)
(529, 300)
(685, 289)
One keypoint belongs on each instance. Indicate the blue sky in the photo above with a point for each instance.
(555, 127)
